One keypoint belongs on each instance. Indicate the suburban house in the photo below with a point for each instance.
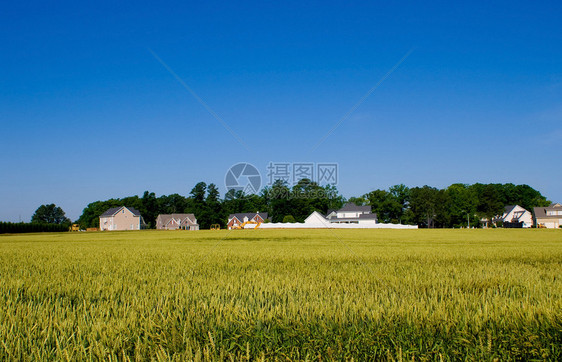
(515, 216)
(235, 220)
(350, 213)
(176, 221)
(121, 218)
(549, 217)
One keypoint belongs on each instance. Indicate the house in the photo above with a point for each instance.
(548, 217)
(176, 221)
(121, 218)
(515, 216)
(235, 220)
(351, 213)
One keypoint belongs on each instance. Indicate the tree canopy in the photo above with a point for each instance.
(454, 206)
(50, 214)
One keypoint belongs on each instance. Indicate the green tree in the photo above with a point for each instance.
(400, 195)
(213, 207)
(490, 202)
(278, 200)
(428, 206)
(462, 202)
(384, 205)
(50, 214)
(149, 209)
(171, 204)
(198, 192)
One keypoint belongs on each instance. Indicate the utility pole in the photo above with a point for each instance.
(468, 220)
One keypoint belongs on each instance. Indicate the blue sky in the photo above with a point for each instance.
(88, 113)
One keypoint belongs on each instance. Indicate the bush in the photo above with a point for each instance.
(289, 218)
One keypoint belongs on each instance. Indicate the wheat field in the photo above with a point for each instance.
(282, 295)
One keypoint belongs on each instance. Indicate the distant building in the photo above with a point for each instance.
(121, 218)
(316, 218)
(350, 213)
(234, 220)
(548, 217)
(515, 216)
(176, 221)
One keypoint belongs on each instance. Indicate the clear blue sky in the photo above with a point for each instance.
(87, 113)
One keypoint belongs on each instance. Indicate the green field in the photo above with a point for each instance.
(282, 294)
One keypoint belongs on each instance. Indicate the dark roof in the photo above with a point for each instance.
(351, 206)
(134, 211)
(368, 216)
(508, 208)
(112, 211)
(250, 215)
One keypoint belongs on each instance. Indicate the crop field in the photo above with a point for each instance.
(282, 294)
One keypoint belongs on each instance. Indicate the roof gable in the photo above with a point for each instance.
(114, 210)
(250, 215)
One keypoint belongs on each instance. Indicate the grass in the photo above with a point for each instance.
(282, 294)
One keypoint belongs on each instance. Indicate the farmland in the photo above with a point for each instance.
(285, 294)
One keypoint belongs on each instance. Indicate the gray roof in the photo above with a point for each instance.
(114, 210)
(541, 211)
(250, 215)
(165, 218)
(368, 216)
(351, 206)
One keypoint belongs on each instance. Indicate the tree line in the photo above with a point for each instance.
(47, 218)
(458, 205)
(279, 200)
(30, 227)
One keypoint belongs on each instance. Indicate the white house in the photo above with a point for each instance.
(516, 216)
(121, 218)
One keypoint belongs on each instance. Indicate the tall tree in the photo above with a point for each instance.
(401, 199)
(214, 213)
(149, 209)
(198, 192)
(462, 202)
